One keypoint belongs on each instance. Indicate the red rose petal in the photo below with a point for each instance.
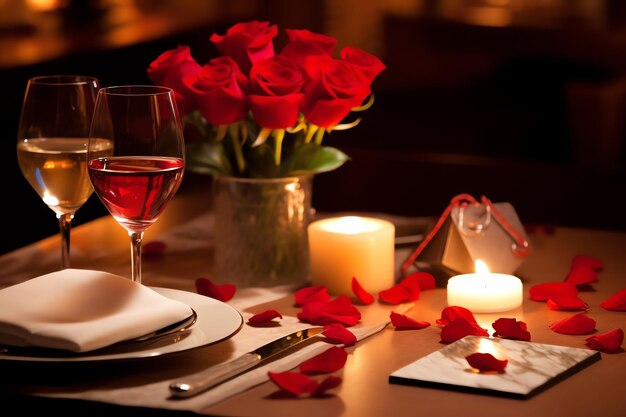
(395, 295)
(486, 362)
(331, 381)
(451, 313)
(581, 276)
(360, 293)
(222, 292)
(340, 310)
(586, 261)
(153, 249)
(576, 324)
(425, 280)
(567, 303)
(509, 328)
(264, 317)
(412, 285)
(459, 328)
(294, 382)
(337, 333)
(609, 342)
(616, 302)
(331, 360)
(402, 322)
(310, 294)
(542, 292)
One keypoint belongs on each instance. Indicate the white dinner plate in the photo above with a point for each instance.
(216, 321)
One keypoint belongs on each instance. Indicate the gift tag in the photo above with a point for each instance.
(468, 231)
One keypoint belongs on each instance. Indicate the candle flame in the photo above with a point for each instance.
(481, 267)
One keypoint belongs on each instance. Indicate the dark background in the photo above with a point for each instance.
(519, 101)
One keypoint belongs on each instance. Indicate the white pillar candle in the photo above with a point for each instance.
(485, 292)
(344, 247)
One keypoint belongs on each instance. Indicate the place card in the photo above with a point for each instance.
(532, 367)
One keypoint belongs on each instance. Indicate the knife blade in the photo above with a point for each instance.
(215, 375)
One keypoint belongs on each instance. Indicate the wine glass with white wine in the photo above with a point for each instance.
(52, 145)
(144, 163)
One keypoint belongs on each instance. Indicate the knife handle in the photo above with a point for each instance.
(202, 381)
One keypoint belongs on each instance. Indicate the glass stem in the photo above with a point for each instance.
(135, 251)
(65, 224)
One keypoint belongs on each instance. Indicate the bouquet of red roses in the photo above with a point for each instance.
(263, 114)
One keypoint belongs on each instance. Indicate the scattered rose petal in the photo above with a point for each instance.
(299, 384)
(395, 295)
(459, 328)
(294, 382)
(425, 280)
(542, 292)
(330, 382)
(331, 360)
(581, 276)
(310, 294)
(264, 317)
(616, 302)
(360, 293)
(609, 342)
(402, 322)
(412, 285)
(576, 324)
(340, 310)
(486, 362)
(223, 292)
(567, 303)
(586, 261)
(451, 313)
(153, 249)
(337, 333)
(510, 328)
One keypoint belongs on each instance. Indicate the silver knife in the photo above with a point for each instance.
(202, 381)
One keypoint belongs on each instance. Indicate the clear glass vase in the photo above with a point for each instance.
(261, 230)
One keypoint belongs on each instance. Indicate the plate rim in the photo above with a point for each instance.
(162, 351)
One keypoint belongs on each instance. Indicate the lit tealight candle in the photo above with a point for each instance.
(485, 292)
(344, 247)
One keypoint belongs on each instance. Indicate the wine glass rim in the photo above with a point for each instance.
(135, 90)
(63, 79)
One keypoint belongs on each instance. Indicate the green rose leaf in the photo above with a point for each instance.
(261, 162)
(311, 158)
(207, 158)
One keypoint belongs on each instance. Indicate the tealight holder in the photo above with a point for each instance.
(484, 291)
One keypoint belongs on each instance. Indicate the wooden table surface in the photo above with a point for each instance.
(597, 390)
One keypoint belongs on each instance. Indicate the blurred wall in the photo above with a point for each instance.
(520, 100)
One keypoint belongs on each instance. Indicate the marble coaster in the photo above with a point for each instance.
(532, 367)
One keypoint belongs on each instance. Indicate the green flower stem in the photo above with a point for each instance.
(319, 135)
(234, 134)
(278, 135)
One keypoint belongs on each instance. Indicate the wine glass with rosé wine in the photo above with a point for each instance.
(52, 145)
(144, 167)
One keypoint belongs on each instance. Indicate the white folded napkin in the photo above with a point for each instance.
(81, 310)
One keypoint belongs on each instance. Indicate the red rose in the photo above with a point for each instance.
(276, 92)
(221, 91)
(247, 43)
(330, 97)
(369, 64)
(306, 48)
(170, 69)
